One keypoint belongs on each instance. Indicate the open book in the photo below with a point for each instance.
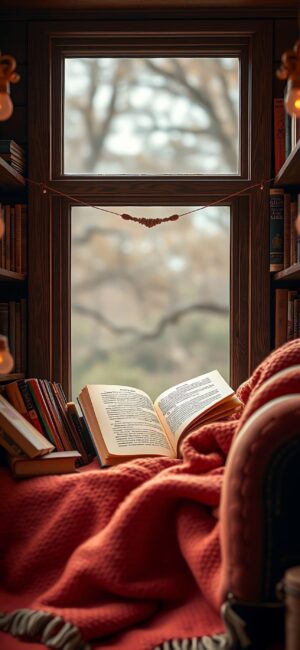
(124, 423)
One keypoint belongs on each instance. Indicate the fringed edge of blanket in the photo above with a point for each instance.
(216, 642)
(51, 630)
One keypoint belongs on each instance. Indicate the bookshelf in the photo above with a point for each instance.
(12, 376)
(10, 179)
(286, 323)
(290, 274)
(13, 278)
(289, 173)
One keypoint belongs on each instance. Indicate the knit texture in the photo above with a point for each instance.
(129, 555)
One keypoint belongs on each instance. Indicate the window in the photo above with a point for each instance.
(151, 116)
(164, 169)
(150, 307)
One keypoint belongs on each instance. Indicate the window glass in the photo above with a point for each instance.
(150, 307)
(151, 116)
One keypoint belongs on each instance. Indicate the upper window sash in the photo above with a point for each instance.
(149, 45)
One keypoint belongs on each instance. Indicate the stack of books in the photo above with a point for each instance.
(28, 452)
(43, 404)
(287, 316)
(284, 241)
(14, 155)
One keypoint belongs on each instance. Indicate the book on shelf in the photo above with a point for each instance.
(291, 295)
(17, 435)
(13, 246)
(124, 423)
(13, 154)
(57, 462)
(287, 316)
(279, 133)
(281, 317)
(276, 229)
(44, 404)
(284, 241)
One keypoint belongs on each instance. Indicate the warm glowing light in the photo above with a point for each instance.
(6, 106)
(290, 70)
(6, 359)
(8, 75)
(292, 99)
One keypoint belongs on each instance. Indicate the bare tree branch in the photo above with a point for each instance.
(169, 319)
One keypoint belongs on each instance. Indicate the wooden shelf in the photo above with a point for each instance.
(12, 276)
(10, 179)
(289, 173)
(291, 273)
(12, 376)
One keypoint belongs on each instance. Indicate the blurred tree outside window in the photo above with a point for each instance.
(151, 116)
(150, 307)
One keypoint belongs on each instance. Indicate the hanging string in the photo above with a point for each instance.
(144, 221)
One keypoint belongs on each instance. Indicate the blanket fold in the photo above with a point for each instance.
(127, 557)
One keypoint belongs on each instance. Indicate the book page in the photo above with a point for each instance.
(128, 422)
(182, 404)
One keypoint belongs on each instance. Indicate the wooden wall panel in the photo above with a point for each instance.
(285, 35)
(13, 41)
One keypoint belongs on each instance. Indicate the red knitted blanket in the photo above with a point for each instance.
(128, 556)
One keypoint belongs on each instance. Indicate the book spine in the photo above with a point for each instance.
(18, 338)
(23, 303)
(3, 261)
(62, 442)
(293, 249)
(287, 134)
(296, 318)
(32, 415)
(4, 327)
(24, 237)
(74, 418)
(290, 317)
(12, 238)
(9, 444)
(18, 238)
(14, 396)
(38, 406)
(279, 134)
(58, 396)
(281, 297)
(287, 231)
(276, 229)
(89, 435)
(7, 237)
(12, 327)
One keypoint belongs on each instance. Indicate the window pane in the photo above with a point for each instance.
(151, 116)
(150, 307)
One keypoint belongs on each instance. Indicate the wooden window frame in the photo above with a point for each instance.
(50, 214)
